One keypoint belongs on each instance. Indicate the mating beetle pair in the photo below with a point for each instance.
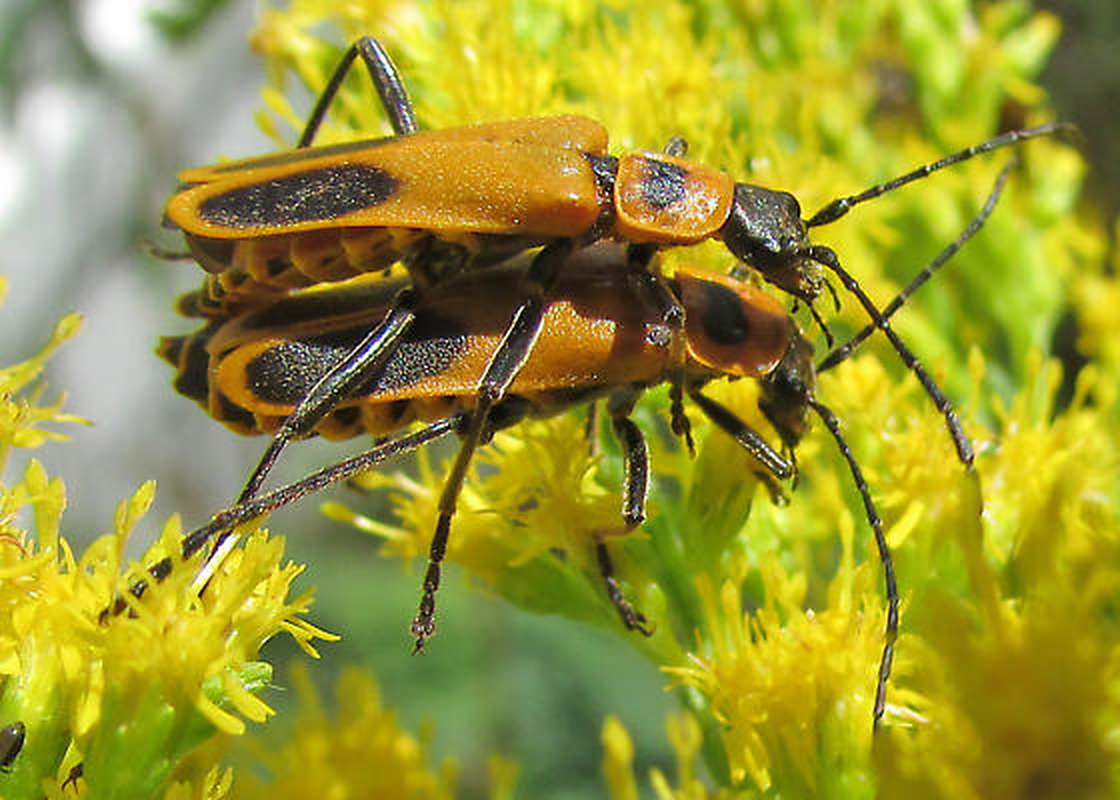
(448, 204)
(600, 338)
(445, 201)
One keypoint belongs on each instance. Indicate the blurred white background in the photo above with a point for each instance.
(97, 113)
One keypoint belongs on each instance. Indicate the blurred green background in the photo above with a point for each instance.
(99, 107)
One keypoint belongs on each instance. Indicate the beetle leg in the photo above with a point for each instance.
(591, 429)
(652, 283)
(781, 468)
(635, 489)
(677, 146)
(338, 382)
(632, 618)
(770, 459)
(72, 777)
(386, 79)
(508, 359)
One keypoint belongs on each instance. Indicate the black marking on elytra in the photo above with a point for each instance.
(319, 194)
(723, 317)
(663, 184)
(286, 373)
(434, 345)
(229, 411)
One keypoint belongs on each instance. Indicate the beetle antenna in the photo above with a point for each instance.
(974, 225)
(829, 341)
(827, 258)
(842, 205)
(891, 634)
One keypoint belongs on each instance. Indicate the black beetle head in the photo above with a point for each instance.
(765, 231)
(787, 390)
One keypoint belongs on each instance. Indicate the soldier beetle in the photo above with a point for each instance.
(444, 201)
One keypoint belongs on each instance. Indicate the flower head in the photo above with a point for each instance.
(115, 697)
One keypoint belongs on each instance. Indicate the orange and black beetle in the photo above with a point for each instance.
(443, 201)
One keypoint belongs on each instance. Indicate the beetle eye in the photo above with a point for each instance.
(792, 207)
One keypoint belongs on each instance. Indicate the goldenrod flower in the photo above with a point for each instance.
(792, 689)
(359, 751)
(772, 615)
(110, 699)
(686, 737)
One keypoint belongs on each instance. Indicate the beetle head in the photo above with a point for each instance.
(765, 231)
(788, 390)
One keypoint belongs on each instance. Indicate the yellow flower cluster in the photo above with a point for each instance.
(359, 752)
(113, 696)
(771, 615)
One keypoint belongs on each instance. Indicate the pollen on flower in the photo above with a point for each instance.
(171, 656)
(790, 685)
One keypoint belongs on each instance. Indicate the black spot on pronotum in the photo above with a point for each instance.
(723, 317)
(664, 184)
(325, 193)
